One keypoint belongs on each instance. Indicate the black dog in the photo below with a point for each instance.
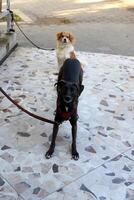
(69, 88)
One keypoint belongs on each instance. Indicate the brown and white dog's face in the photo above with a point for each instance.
(65, 38)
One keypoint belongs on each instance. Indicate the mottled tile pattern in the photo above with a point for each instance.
(105, 170)
(112, 180)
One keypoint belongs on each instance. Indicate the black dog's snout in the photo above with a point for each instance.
(67, 99)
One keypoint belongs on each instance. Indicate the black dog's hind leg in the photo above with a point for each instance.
(52, 146)
(75, 154)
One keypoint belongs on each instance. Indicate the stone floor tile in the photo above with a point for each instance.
(111, 181)
(7, 192)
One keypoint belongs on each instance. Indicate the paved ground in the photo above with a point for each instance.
(105, 130)
(105, 26)
(106, 108)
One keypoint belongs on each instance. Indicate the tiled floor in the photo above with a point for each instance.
(105, 170)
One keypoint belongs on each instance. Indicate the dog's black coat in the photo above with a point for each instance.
(71, 71)
(69, 87)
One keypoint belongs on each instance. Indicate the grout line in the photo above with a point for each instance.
(18, 195)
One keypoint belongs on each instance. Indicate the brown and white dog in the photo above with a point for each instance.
(65, 48)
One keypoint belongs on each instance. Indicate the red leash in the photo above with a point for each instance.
(26, 111)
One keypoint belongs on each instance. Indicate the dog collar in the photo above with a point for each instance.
(65, 115)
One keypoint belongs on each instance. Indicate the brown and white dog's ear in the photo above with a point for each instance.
(58, 35)
(72, 38)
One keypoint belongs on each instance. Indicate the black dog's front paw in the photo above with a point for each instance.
(75, 155)
(49, 153)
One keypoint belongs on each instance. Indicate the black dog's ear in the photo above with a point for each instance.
(58, 85)
(81, 89)
(55, 85)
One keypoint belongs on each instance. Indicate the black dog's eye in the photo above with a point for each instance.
(73, 89)
(64, 88)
